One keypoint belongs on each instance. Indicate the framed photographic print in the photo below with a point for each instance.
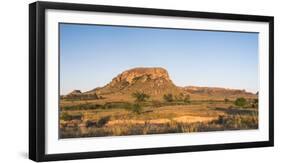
(118, 81)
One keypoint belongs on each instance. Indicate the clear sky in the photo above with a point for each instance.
(91, 55)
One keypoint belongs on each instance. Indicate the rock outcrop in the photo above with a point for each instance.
(153, 81)
(156, 83)
(145, 73)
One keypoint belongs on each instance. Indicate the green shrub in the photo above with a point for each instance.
(111, 105)
(226, 100)
(168, 97)
(102, 121)
(68, 117)
(241, 102)
(90, 123)
(221, 119)
(88, 106)
(255, 103)
(136, 108)
(140, 97)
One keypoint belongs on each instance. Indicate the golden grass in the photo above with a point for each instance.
(157, 120)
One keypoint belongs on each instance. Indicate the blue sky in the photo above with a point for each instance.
(91, 55)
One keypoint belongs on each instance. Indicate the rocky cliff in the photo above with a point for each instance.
(153, 81)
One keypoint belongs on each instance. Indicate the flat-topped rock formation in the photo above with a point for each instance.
(155, 81)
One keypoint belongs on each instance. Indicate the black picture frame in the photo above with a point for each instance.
(37, 80)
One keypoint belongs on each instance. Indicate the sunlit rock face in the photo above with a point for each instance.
(141, 73)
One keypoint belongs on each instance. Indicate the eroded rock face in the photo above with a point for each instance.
(153, 81)
(144, 73)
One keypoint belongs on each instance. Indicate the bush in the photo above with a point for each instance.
(179, 98)
(136, 108)
(255, 103)
(226, 100)
(85, 106)
(111, 105)
(221, 119)
(241, 102)
(88, 106)
(90, 123)
(168, 97)
(68, 117)
(102, 121)
(140, 97)
(237, 122)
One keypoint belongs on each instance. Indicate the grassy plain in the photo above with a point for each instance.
(94, 118)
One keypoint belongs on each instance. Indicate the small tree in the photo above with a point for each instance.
(140, 97)
(255, 103)
(66, 117)
(136, 108)
(241, 102)
(168, 97)
(226, 100)
(102, 121)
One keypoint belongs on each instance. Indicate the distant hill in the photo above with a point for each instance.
(216, 91)
(156, 82)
